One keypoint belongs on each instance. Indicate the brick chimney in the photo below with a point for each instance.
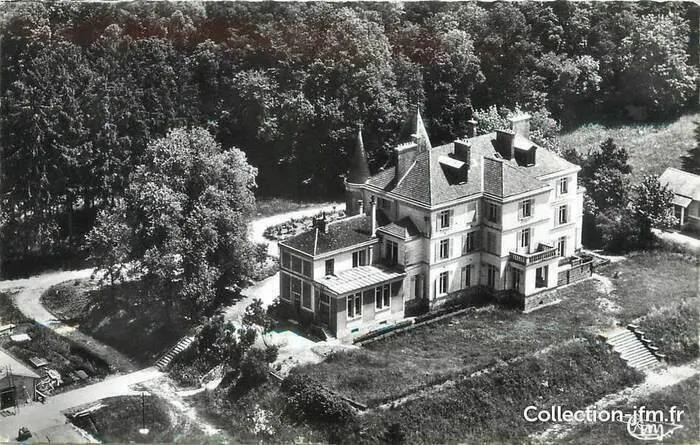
(405, 155)
(505, 143)
(463, 151)
(520, 124)
(471, 128)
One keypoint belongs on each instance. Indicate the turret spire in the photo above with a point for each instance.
(359, 170)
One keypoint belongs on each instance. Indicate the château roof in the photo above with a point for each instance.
(429, 183)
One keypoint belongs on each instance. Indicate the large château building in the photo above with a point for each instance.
(495, 213)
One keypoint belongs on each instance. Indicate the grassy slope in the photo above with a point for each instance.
(652, 148)
(120, 317)
(489, 408)
(683, 395)
(675, 331)
(398, 365)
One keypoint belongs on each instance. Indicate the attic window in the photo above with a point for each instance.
(455, 169)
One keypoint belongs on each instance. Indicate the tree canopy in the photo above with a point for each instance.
(183, 221)
(85, 87)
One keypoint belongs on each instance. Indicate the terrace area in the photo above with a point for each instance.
(542, 253)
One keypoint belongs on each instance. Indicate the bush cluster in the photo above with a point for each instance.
(307, 400)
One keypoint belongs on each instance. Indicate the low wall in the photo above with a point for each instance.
(539, 300)
(577, 272)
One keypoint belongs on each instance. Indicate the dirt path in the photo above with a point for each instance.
(39, 416)
(685, 242)
(28, 301)
(164, 388)
(654, 382)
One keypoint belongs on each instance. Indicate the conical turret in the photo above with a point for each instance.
(414, 131)
(359, 170)
(357, 175)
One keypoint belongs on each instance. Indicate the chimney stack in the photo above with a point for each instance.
(321, 223)
(405, 155)
(374, 216)
(471, 128)
(520, 124)
(505, 143)
(463, 151)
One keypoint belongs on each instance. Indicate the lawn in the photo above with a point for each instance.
(121, 418)
(121, 316)
(430, 354)
(652, 147)
(387, 369)
(648, 280)
(683, 395)
(489, 408)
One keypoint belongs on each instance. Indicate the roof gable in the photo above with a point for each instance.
(681, 182)
(15, 366)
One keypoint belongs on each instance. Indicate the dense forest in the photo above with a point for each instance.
(86, 87)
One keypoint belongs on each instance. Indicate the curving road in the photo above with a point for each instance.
(28, 301)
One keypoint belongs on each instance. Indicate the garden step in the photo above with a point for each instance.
(620, 335)
(168, 357)
(631, 353)
(645, 366)
(630, 339)
(634, 349)
(642, 359)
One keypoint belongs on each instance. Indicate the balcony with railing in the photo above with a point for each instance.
(542, 253)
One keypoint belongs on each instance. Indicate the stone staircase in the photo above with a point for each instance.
(635, 349)
(166, 358)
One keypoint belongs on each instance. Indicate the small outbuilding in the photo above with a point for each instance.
(686, 196)
(17, 382)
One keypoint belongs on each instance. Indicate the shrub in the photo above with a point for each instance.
(308, 400)
(185, 374)
(255, 368)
